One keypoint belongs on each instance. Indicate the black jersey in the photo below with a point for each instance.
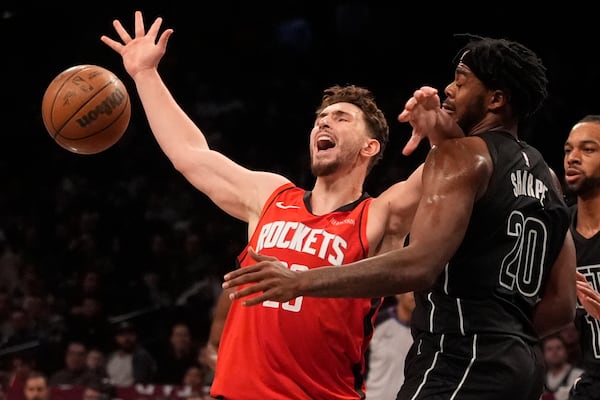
(588, 263)
(515, 234)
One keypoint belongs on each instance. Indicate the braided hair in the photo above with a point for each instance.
(508, 66)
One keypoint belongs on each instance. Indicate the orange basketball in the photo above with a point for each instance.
(86, 109)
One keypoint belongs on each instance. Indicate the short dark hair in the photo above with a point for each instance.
(365, 100)
(508, 66)
(554, 336)
(34, 374)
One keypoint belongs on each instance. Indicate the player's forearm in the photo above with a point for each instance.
(171, 126)
(551, 316)
(384, 275)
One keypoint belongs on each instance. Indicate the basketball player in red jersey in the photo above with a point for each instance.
(305, 348)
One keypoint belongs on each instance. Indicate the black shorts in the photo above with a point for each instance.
(484, 366)
(587, 387)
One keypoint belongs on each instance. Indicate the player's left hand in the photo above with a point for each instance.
(428, 119)
(269, 276)
(589, 298)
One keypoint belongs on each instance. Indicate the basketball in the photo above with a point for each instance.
(86, 109)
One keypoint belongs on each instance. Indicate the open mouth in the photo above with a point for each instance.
(325, 143)
(446, 107)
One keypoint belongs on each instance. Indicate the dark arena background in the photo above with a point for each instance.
(250, 74)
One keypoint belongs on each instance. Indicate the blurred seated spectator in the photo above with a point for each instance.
(89, 284)
(75, 371)
(194, 380)
(570, 335)
(176, 354)
(20, 366)
(20, 329)
(96, 362)
(6, 307)
(10, 262)
(151, 291)
(88, 323)
(95, 391)
(560, 374)
(129, 362)
(47, 324)
(36, 387)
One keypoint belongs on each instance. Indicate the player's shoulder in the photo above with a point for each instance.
(468, 156)
(463, 148)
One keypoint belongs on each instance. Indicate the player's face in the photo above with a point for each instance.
(339, 133)
(582, 159)
(466, 99)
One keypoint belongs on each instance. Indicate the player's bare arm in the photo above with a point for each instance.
(557, 306)
(238, 191)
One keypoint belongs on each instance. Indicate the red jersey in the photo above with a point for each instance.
(307, 348)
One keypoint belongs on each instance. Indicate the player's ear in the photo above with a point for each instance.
(371, 147)
(497, 99)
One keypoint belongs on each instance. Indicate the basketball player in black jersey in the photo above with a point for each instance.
(582, 179)
(490, 258)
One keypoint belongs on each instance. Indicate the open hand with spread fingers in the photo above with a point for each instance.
(143, 51)
(428, 119)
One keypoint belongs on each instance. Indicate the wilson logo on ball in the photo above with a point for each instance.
(108, 105)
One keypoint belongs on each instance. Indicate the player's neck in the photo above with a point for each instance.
(330, 194)
(588, 216)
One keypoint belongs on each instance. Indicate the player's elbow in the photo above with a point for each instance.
(552, 317)
(427, 275)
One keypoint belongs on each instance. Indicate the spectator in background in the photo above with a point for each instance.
(87, 322)
(47, 326)
(95, 391)
(130, 362)
(89, 283)
(20, 329)
(31, 282)
(176, 355)
(560, 375)
(75, 371)
(391, 341)
(20, 367)
(6, 307)
(95, 361)
(10, 261)
(151, 291)
(194, 380)
(570, 336)
(36, 387)
(45, 322)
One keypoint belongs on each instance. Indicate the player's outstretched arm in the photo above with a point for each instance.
(235, 189)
